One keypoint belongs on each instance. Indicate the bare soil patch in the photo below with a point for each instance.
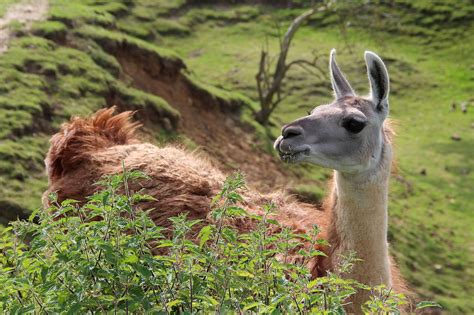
(25, 12)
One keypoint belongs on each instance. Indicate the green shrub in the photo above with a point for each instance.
(72, 262)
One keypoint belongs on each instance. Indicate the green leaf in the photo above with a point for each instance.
(68, 202)
(144, 271)
(105, 198)
(215, 199)
(235, 197)
(251, 305)
(236, 212)
(74, 309)
(165, 243)
(143, 197)
(204, 235)
(174, 303)
(33, 214)
(313, 283)
(44, 273)
(244, 273)
(211, 300)
(130, 259)
(425, 304)
(274, 222)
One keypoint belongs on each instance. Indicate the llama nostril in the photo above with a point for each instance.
(292, 131)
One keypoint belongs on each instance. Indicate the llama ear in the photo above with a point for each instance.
(379, 81)
(340, 85)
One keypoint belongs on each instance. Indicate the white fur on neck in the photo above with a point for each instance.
(361, 220)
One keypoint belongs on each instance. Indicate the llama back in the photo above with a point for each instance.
(81, 137)
(86, 149)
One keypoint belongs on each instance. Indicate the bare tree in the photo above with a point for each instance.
(269, 83)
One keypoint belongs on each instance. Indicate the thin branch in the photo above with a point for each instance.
(285, 46)
(269, 84)
(278, 101)
(260, 74)
(307, 66)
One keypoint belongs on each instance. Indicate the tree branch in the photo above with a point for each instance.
(268, 84)
(261, 72)
(305, 64)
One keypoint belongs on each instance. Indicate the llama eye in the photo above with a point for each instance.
(353, 125)
(309, 113)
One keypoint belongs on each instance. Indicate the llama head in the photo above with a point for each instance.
(346, 135)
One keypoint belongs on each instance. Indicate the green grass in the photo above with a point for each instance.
(50, 29)
(111, 39)
(88, 11)
(4, 5)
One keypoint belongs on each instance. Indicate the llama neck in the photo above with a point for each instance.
(360, 221)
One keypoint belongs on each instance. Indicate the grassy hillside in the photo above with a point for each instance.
(96, 54)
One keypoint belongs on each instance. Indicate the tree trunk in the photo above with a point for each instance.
(269, 84)
(263, 116)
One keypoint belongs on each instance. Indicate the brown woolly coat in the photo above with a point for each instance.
(86, 149)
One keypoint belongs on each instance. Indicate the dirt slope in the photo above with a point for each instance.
(24, 12)
(220, 134)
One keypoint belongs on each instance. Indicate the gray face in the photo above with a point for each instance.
(345, 135)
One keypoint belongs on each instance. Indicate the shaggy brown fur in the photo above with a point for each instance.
(86, 149)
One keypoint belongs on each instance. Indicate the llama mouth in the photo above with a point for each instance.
(293, 157)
